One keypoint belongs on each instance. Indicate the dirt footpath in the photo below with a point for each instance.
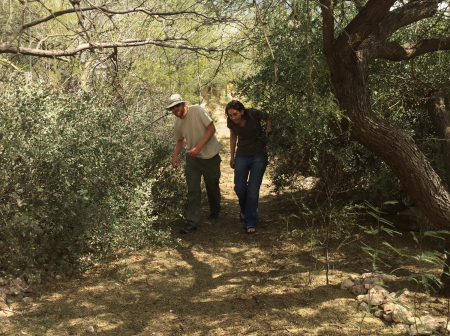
(218, 281)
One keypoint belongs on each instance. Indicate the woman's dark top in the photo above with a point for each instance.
(250, 137)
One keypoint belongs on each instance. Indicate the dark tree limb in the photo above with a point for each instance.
(363, 24)
(395, 52)
(328, 25)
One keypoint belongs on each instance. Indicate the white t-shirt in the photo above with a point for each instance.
(193, 128)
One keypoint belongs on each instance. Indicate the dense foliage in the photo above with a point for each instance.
(80, 176)
(311, 135)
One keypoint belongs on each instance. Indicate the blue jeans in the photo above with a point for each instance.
(248, 176)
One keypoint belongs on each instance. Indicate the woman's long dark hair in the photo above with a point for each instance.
(236, 105)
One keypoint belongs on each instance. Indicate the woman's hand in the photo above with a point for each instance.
(232, 162)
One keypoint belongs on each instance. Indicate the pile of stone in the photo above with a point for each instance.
(369, 290)
(12, 290)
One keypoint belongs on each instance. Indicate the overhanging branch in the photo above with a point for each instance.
(393, 51)
(5, 48)
(107, 11)
(363, 24)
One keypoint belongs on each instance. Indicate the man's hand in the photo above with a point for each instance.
(232, 162)
(194, 152)
(175, 161)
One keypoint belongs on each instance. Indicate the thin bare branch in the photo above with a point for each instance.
(5, 48)
(267, 39)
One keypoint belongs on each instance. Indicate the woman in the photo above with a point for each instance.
(250, 161)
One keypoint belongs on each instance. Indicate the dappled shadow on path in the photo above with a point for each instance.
(218, 281)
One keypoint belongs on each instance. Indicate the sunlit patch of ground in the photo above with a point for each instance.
(219, 281)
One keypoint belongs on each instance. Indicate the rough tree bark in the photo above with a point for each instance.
(349, 54)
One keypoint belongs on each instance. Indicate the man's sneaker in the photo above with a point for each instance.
(188, 228)
(213, 215)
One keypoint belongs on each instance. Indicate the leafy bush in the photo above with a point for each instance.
(311, 136)
(74, 183)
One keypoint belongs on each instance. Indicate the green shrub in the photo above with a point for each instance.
(75, 184)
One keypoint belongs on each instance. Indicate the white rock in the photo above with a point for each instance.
(14, 290)
(3, 306)
(401, 328)
(16, 282)
(378, 313)
(372, 281)
(3, 318)
(366, 275)
(445, 328)
(425, 325)
(27, 299)
(34, 308)
(388, 307)
(90, 329)
(358, 281)
(363, 306)
(380, 289)
(376, 299)
(387, 317)
(389, 297)
(58, 277)
(386, 278)
(346, 284)
(360, 298)
(358, 290)
(401, 314)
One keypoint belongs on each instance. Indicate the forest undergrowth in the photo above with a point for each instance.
(221, 281)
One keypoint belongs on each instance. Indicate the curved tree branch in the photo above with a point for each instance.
(107, 11)
(363, 24)
(5, 48)
(395, 52)
(398, 18)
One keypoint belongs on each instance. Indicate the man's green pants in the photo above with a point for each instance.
(210, 169)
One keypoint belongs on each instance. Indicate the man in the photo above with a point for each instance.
(194, 125)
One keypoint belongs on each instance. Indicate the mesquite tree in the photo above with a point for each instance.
(349, 54)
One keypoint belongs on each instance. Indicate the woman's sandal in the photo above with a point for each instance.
(250, 229)
(241, 216)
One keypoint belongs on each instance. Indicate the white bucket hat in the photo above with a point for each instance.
(174, 100)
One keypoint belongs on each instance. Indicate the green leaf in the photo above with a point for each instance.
(400, 293)
(394, 249)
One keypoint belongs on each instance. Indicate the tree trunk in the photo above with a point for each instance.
(364, 39)
(392, 145)
(438, 111)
